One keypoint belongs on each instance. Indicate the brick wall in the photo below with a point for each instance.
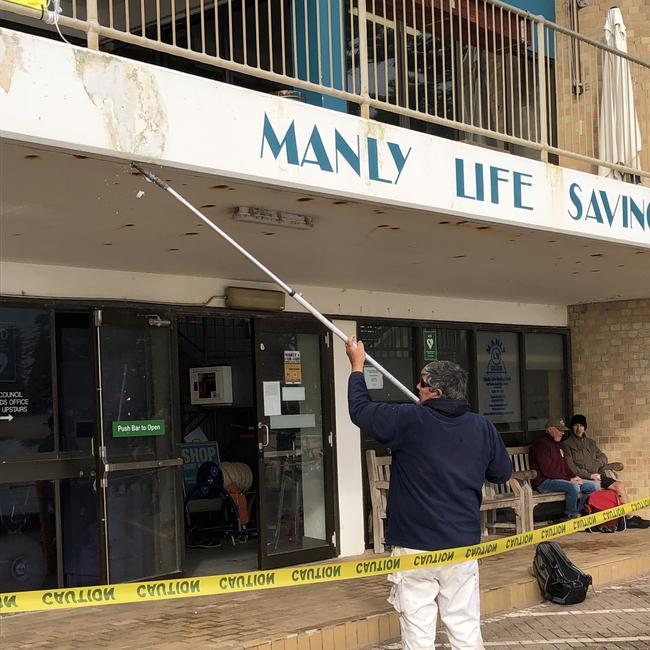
(577, 116)
(611, 382)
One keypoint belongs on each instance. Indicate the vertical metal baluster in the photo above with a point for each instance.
(283, 43)
(395, 56)
(486, 55)
(269, 9)
(512, 76)
(543, 89)
(111, 22)
(405, 57)
(495, 76)
(363, 60)
(470, 61)
(330, 36)
(294, 38)
(188, 25)
(256, 16)
(231, 37)
(319, 54)
(375, 73)
(353, 56)
(519, 102)
(158, 27)
(307, 44)
(416, 76)
(525, 61)
(551, 83)
(173, 7)
(434, 58)
(217, 45)
(479, 53)
(244, 33)
(92, 15)
(143, 19)
(424, 58)
(537, 72)
(202, 21)
(385, 39)
(459, 62)
(504, 87)
(342, 64)
(127, 16)
(452, 61)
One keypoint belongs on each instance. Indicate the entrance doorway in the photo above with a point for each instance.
(256, 441)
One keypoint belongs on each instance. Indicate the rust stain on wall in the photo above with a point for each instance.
(129, 102)
(10, 59)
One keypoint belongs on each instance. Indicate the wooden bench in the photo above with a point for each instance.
(513, 495)
(520, 457)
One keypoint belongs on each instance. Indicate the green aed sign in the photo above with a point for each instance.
(137, 428)
(430, 341)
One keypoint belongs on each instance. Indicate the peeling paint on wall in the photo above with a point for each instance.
(10, 58)
(129, 100)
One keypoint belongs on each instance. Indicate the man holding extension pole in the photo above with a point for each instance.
(441, 456)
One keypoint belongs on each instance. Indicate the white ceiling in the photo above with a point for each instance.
(61, 209)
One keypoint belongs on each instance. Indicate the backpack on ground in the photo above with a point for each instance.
(560, 581)
(603, 500)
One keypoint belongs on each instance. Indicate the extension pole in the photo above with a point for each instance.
(150, 176)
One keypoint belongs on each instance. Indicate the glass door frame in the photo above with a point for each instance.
(330, 547)
(103, 467)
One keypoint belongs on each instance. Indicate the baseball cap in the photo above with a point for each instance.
(558, 423)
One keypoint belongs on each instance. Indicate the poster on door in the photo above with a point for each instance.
(292, 367)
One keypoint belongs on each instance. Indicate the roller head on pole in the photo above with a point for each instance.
(150, 176)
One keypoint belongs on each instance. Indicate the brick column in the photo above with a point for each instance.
(610, 345)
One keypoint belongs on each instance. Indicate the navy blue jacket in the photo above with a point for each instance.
(441, 456)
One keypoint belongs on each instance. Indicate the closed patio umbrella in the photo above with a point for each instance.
(619, 137)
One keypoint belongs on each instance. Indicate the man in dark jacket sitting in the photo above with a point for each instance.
(441, 456)
(553, 472)
(586, 460)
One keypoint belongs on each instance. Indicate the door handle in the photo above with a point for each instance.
(265, 428)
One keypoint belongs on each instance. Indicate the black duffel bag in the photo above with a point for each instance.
(559, 579)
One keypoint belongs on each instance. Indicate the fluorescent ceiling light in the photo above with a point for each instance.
(273, 218)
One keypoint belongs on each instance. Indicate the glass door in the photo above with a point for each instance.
(295, 443)
(138, 466)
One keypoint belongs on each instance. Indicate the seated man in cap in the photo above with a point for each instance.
(587, 461)
(553, 472)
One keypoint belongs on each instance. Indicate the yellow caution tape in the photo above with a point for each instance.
(34, 4)
(136, 592)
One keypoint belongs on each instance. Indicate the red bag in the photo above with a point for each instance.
(604, 500)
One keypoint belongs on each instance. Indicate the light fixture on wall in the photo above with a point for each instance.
(254, 299)
(273, 218)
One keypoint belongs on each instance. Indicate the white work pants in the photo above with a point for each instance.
(453, 589)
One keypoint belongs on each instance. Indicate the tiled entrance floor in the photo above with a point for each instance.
(335, 616)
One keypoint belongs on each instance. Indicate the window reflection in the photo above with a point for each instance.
(25, 382)
(27, 536)
(545, 393)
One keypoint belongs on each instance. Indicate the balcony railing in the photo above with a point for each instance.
(478, 70)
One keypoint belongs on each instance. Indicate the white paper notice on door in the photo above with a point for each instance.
(271, 392)
(374, 379)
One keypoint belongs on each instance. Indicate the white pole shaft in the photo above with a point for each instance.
(149, 175)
